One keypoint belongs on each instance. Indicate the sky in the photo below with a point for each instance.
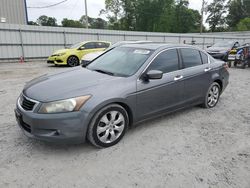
(74, 9)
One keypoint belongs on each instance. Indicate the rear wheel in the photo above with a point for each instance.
(212, 96)
(108, 126)
(229, 64)
(73, 61)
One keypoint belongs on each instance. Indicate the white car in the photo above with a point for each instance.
(86, 60)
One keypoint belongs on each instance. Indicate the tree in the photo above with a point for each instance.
(216, 16)
(72, 23)
(99, 23)
(244, 25)
(46, 21)
(94, 23)
(237, 10)
(32, 23)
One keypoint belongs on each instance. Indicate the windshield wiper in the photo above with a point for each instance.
(104, 72)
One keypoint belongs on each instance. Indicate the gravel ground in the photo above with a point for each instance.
(191, 148)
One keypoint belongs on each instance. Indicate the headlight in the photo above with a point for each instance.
(67, 105)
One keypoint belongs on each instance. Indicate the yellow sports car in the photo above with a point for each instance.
(72, 55)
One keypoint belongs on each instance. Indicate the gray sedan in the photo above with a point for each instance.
(122, 87)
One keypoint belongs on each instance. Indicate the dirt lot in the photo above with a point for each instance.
(192, 148)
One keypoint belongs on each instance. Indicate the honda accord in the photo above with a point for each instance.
(120, 88)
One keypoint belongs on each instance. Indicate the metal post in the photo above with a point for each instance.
(203, 45)
(64, 39)
(86, 14)
(21, 40)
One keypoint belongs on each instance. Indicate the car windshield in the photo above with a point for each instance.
(77, 45)
(224, 44)
(121, 61)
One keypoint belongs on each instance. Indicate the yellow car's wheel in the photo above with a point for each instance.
(73, 61)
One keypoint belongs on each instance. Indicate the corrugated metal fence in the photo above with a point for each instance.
(36, 42)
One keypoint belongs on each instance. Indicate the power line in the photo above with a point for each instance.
(48, 6)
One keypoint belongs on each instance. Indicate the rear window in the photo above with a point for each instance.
(190, 57)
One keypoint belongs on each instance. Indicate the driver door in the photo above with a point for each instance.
(156, 96)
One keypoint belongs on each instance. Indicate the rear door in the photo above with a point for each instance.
(196, 74)
(154, 96)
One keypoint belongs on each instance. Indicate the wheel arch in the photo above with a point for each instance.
(218, 81)
(121, 102)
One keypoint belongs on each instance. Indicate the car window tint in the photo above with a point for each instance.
(204, 58)
(102, 45)
(89, 45)
(166, 62)
(190, 57)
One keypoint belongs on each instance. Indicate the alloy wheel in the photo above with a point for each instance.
(73, 61)
(213, 96)
(110, 127)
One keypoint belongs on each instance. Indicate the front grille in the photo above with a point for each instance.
(26, 103)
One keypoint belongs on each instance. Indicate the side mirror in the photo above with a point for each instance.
(154, 75)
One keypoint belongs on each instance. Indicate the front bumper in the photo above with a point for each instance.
(59, 128)
(58, 60)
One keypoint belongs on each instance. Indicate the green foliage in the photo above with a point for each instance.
(151, 15)
(216, 16)
(72, 23)
(94, 23)
(32, 23)
(237, 10)
(244, 25)
(46, 21)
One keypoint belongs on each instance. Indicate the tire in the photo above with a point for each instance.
(235, 64)
(72, 61)
(229, 64)
(212, 96)
(104, 122)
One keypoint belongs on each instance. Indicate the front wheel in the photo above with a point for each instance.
(108, 126)
(212, 96)
(73, 61)
(229, 64)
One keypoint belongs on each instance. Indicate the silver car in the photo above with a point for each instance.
(122, 87)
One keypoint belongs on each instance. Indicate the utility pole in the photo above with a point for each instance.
(202, 15)
(86, 14)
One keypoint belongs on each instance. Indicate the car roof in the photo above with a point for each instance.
(155, 45)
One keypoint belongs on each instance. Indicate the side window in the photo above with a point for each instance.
(204, 58)
(166, 62)
(89, 45)
(190, 57)
(102, 45)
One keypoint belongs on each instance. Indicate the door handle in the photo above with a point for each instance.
(179, 77)
(207, 69)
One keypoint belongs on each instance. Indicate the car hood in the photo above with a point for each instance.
(217, 49)
(62, 51)
(73, 83)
